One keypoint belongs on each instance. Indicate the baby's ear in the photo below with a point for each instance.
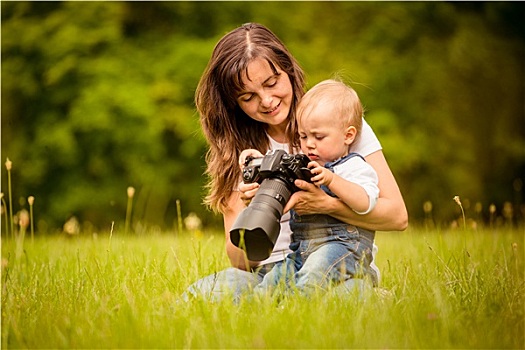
(350, 134)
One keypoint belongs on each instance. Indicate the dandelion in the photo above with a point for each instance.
(23, 219)
(427, 208)
(31, 201)
(458, 201)
(478, 208)
(131, 194)
(8, 166)
(492, 211)
(508, 211)
(23, 222)
(72, 226)
(193, 224)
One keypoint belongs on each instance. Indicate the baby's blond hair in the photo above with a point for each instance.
(343, 98)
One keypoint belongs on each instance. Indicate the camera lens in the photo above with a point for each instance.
(260, 221)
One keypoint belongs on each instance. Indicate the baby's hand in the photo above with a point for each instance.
(247, 153)
(321, 175)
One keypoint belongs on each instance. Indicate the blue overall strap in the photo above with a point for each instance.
(331, 165)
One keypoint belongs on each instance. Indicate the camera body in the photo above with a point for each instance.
(277, 164)
(257, 227)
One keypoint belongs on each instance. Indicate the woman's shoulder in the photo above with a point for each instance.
(367, 143)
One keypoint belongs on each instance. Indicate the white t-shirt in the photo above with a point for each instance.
(365, 145)
(358, 171)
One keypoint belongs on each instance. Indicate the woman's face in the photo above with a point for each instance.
(267, 96)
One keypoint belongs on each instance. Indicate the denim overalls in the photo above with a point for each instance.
(327, 249)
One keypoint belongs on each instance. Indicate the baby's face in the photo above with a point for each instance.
(323, 136)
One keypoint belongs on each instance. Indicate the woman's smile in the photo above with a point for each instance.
(267, 94)
(273, 110)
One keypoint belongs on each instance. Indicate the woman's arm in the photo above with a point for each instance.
(237, 256)
(390, 213)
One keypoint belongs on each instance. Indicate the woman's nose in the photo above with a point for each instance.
(266, 100)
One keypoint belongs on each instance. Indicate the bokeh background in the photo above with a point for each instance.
(98, 97)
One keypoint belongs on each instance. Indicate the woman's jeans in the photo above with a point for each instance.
(229, 283)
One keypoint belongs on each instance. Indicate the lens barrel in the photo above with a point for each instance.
(259, 223)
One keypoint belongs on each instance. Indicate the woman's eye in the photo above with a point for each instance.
(272, 83)
(246, 98)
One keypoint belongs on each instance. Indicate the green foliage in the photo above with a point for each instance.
(98, 96)
(457, 289)
(105, 114)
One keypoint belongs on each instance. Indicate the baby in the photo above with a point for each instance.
(326, 250)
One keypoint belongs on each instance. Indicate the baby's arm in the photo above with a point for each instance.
(360, 195)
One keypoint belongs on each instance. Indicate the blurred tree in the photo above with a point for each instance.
(98, 96)
(443, 85)
(88, 111)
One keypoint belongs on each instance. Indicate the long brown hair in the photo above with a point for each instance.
(226, 127)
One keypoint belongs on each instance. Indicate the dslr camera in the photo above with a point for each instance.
(258, 225)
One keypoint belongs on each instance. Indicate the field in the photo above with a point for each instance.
(440, 289)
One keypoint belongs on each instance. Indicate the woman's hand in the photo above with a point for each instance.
(247, 191)
(248, 153)
(309, 200)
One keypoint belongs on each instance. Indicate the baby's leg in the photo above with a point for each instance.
(279, 275)
(331, 263)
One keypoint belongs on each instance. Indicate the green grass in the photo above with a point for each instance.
(447, 289)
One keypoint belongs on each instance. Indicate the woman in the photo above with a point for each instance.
(247, 98)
